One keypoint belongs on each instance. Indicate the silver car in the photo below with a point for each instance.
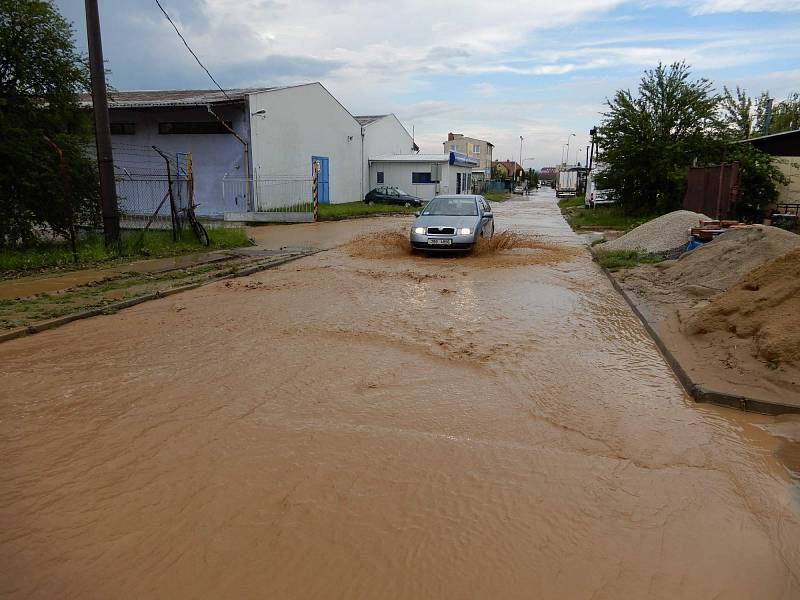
(452, 223)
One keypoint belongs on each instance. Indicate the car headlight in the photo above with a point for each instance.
(419, 230)
(464, 231)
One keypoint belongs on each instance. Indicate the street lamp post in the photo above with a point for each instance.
(529, 159)
(520, 152)
(571, 135)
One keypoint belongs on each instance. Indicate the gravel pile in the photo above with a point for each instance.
(668, 234)
(718, 265)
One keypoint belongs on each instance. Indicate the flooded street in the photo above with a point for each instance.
(367, 423)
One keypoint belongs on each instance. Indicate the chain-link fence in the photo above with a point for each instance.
(155, 189)
(153, 186)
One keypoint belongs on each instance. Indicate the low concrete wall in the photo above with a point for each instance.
(269, 217)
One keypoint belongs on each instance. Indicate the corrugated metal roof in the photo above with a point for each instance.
(785, 143)
(155, 98)
(367, 119)
(791, 132)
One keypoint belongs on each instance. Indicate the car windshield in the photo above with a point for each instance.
(399, 191)
(457, 207)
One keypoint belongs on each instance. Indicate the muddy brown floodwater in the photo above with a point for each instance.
(366, 423)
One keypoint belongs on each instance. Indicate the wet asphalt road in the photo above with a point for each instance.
(366, 423)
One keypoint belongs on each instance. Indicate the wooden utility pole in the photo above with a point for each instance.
(105, 158)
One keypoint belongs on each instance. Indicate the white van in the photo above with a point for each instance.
(596, 197)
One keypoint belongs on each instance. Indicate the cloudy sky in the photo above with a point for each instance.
(493, 70)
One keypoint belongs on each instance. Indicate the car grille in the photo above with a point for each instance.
(441, 230)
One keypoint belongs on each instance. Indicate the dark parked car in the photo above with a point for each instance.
(391, 195)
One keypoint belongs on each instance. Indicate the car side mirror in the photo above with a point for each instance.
(416, 214)
(488, 215)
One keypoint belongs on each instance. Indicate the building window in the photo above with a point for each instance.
(123, 128)
(421, 177)
(476, 148)
(193, 127)
(380, 176)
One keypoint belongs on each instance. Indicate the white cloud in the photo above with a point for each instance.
(527, 67)
(707, 7)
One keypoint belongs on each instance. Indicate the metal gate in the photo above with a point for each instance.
(713, 191)
(268, 199)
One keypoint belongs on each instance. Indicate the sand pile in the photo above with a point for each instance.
(763, 307)
(665, 235)
(720, 264)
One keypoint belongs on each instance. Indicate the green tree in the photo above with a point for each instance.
(737, 113)
(759, 180)
(648, 140)
(785, 114)
(47, 182)
(533, 178)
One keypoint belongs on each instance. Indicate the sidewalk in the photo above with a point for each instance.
(37, 284)
(32, 304)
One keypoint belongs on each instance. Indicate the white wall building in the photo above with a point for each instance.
(281, 132)
(383, 134)
(423, 175)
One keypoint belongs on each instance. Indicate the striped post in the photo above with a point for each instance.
(314, 189)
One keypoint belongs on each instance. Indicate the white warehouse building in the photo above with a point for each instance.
(423, 175)
(258, 139)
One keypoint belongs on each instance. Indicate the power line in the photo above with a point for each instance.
(185, 43)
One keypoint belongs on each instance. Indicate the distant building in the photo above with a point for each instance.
(480, 150)
(423, 175)
(507, 167)
(548, 174)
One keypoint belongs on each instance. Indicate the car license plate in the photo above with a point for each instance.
(439, 242)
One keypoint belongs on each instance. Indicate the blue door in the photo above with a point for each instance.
(323, 179)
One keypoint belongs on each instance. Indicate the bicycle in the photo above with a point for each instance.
(197, 227)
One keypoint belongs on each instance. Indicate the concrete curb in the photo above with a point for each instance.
(699, 392)
(94, 312)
